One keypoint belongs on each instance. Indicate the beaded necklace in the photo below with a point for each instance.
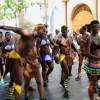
(96, 40)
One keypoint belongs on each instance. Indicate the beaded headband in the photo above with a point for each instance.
(95, 24)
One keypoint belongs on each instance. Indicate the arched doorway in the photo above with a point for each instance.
(82, 15)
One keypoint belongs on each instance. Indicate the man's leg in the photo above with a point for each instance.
(65, 69)
(79, 68)
(16, 79)
(26, 88)
(70, 66)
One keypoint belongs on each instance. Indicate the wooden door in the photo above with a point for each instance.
(81, 16)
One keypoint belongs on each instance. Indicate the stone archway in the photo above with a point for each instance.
(82, 15)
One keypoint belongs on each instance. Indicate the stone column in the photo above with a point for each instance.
(64, 2)
(98, 11)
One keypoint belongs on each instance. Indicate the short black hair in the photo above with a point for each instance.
(84, 28)
(0, 32)
(7, 33)
(64, 27)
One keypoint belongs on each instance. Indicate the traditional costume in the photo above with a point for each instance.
(32, 71)
(45, 57)
(92, 66)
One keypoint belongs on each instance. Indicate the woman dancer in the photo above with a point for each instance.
(45, 57)
(8, 46)
(92, 63)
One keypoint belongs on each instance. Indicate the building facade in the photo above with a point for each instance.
(80, 12)
(73, 13)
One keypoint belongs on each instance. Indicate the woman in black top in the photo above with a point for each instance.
(92, 63)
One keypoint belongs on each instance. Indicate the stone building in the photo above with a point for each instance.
(80, 12)
(73, 13)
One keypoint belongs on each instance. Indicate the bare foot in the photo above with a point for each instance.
(32, 89)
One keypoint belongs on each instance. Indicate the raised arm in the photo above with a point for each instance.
(74, 47)
(33, 64)
(17, 30)
(38, 50)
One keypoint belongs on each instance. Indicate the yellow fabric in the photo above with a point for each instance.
(39, 26)
(56, 44)
(13, 54)
(6, 55)
(17, 88)
(61, 57)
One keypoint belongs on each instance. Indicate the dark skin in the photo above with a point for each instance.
(93, 55)
(45, 49)
(81, 43)
(82, 40)
(65, 45)
(55, 50)
(23, 47)
(64, 34)
(31, 59)
(1, 59)
(8, 38)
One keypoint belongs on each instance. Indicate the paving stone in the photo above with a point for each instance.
(54, 91)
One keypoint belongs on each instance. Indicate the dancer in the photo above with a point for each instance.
(1, 57)
(92, 62)
(65, 43)
(8, 46)
(23, 46)
(55, 50)
(45, 57)
(32, 70)
(81, 41)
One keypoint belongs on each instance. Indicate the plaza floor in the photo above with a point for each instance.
(54, 91)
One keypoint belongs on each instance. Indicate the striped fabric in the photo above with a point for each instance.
(10, 92)
(91, 66)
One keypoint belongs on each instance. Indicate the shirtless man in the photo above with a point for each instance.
(57, 32)
(23, 46)
(56, 47)
(65, 44)
(81, 42)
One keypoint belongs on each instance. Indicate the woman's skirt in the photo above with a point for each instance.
(46, 57)
(92, 67)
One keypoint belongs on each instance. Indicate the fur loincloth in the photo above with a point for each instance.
(31, 71)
